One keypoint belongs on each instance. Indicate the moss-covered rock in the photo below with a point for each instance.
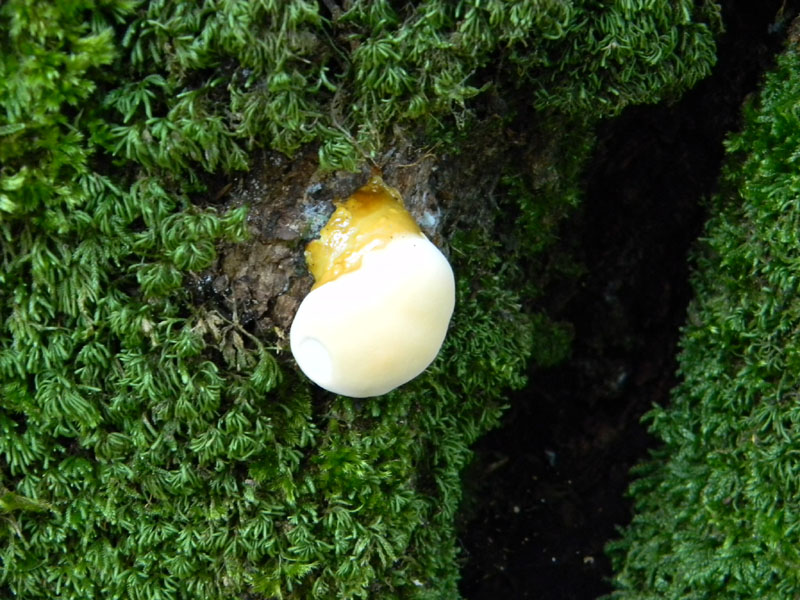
(716, 509)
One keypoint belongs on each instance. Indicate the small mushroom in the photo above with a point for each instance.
(382, 300)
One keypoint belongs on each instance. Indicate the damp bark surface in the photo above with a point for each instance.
(261, 282)
(546, 492)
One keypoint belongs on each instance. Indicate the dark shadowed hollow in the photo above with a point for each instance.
(546, 491)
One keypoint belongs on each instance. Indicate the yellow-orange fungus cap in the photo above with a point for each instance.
(366, 221)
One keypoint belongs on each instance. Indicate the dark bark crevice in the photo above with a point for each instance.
(547, 490)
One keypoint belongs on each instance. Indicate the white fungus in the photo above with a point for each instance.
(383, 300)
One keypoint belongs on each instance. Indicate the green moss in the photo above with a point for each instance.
(204, 83)
(717, 512)
(151, 448)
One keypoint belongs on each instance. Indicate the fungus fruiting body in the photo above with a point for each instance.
(382, 299)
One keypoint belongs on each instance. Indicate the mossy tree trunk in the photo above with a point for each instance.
(162, 165)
